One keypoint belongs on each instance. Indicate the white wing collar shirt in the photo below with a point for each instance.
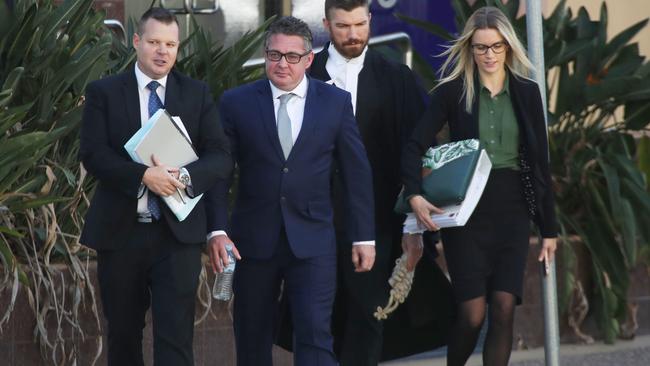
(345, 71)
(345, 75)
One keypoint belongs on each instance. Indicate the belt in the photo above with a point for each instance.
(146, 218)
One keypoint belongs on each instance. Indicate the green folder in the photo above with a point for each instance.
(447, 171)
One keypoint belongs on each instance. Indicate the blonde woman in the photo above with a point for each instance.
(484, 93)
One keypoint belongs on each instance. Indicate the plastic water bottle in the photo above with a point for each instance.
(222, 289)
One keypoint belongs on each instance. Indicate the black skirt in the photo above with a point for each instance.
(489, 253)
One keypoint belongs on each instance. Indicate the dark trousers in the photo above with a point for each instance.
(309, 285)
(359, 342)
(152, 270)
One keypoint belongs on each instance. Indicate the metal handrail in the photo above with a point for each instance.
(189, 7)
(116, 27)
(401, 39)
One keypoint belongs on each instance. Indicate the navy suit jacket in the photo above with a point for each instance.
(111, 116)
(295, 193)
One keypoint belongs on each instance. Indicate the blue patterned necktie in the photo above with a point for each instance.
(154, 105)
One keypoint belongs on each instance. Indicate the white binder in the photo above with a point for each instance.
(165, 137)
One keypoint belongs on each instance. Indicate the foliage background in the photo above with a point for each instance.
(48, 54)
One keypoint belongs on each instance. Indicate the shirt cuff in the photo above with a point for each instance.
(212, 234)
(365, 242)
(141, 190)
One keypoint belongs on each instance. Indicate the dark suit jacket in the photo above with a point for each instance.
(295, 193)
(448, 106)
(111, 116)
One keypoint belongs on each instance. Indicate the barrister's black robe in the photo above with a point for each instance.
(389, 103)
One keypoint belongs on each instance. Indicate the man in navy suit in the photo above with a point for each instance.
(146, 257)
(285, 134)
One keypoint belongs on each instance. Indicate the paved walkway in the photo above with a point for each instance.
(622, 353)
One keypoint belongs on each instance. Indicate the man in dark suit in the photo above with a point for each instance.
(146, 257)
(285, 133)
(387, 102)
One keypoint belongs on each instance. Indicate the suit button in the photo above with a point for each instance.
(285, 170)
(283, 198)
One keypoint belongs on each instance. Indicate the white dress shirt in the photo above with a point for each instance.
(143, 93)
(295, 105)
(345, 71)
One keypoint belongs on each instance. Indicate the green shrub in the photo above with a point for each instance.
(48, 54)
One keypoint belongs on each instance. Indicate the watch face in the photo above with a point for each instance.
(184, 178)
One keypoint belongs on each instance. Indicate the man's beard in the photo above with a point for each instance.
(351, 52)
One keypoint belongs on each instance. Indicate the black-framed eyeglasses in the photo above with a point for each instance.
(291, 57)
(481, 49)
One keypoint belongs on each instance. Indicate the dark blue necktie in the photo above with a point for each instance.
(154, 105)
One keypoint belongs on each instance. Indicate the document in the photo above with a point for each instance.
(458, 214)
(165, 137)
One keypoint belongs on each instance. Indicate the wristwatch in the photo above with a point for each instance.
(184, 176)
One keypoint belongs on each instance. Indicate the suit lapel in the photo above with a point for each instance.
(265, 102)
(308, 119)
(131, 101)
(173, 95)
(473, 117)
(367, 84)
(525, 129)
(318, 69)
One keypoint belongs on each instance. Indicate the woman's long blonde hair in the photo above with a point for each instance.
(460, 57)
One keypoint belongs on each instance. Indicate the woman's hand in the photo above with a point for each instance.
(413, 246)
(423, 210)
(547, 254)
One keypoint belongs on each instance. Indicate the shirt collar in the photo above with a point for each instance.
(144, 80)
(506, 86)
(300, 90)
(338, 59)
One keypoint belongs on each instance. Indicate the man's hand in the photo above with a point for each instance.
(423, 210)
(413, 246)
(218, 254)
(363, 257)
(160, 179)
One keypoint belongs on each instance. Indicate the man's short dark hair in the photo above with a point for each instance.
(162, 15)
(289, 26)
(347, 5)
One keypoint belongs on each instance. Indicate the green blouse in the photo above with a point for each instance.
(498, 129)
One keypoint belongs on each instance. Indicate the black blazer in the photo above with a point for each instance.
(389, 103)
(448, 106)
(111, 116)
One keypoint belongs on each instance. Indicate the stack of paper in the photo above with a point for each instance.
(457, 215)
(165, 137)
